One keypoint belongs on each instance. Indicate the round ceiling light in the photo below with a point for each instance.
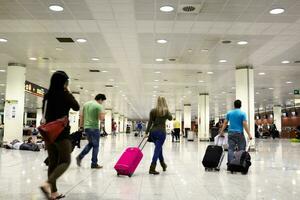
(242, 43)
(59, 49)
(2, 70)
(209, 72)
(262, 73)
(271, 88)
(32, 58)
(222, 61)
(285, 62)
(288, 82)
(95, 59)
(277, 11)
(156, 80)
(157, 72)
(201, 81)
(104, 71)
(161, 41)
(3, 40)
(166, 9)
(81, 40)
(159, 59)
(56, 8)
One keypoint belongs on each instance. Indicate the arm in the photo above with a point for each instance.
(245, 125)
(101, 115)
(223, 127)
(149, 123)
(73, 103)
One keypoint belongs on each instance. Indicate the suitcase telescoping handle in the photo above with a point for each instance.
(141, 143)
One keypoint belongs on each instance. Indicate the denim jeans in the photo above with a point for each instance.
(158, 138)
(93, 136)
(235, 139)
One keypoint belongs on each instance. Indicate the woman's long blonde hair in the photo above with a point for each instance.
(161, 106)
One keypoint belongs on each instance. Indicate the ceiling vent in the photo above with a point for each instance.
(172, 59)
(297, 61)
(109, 86)
(65, 40)
(190, 8)
(94, 70)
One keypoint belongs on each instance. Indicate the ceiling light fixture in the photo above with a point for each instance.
(111, 79)
(2, 70)
(59, 49)
(156, 80)
(190, 50)
(32, 58)
(210, 73)
(104, 71)
(261, 73)
(201, 81)
(161, 41)
(95, 59)
(277, 11)
(3, 40)
(242, 43)
(285, 62)
(159, 59)
(81, 40)
(157, 72)
(222, 61)
(288, 82)
(204, 50)
(155, 86)
(166, 8)
(56, 8)
(271, 88)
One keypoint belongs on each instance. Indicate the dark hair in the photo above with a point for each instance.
(237, 104)
(57, 82)
(100, 97)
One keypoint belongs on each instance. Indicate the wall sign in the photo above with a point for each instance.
(35, 89)
(11, 107)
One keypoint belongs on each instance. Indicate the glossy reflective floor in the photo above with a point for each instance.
(275, 174)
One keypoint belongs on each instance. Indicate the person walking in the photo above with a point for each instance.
(237, 123)
(114, 127)
(92, 113)
(156, 130)
(176, 126)
(57, 103)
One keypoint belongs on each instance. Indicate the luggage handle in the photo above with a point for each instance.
(140, 144)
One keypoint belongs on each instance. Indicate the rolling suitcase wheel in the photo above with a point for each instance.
(217, 169)
(118, 174)
(130, 175)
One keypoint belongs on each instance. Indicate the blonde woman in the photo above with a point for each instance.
(157, 129)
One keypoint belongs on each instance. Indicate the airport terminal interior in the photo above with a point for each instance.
(199, 55)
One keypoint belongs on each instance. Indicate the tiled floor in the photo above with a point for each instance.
(275, 174)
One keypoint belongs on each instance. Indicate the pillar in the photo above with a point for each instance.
(25, 118)
(108, 118)
(178, 116)
(122, 124)
(187, 117)
(203, 117)
(39, 116)
(277, 116)
(117, 119)
(245, 92)
(14, 104)
(74, 116)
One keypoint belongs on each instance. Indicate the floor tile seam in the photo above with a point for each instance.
(140, 191)
(105, 190)
(173, 187)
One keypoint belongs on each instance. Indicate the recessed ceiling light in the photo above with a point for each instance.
(95, 59)
(2, 85)
(288, 82)
(209, 72)
(81, 40)
(223, 92)
(104, 71)
(2, 70)
(111, 79)
(157, 72)
(233, 88)
(56, 8)
(166, 9)
(190, 50)
(59, 49)
(201, 81)
(257, 93)
(222, 61)
(3, 40)
(53, 70)
(155, 86)
(161, 41)
(156, 80)
(32, 58)
(159, 59)
(123, 95)
(242, 43)
(276, 11)
(271, 88)
(204, 50)
(154, 95)
(261, 73)
(285, 62)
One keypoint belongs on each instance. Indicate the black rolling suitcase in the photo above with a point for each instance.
(241, 162)
(213, 157)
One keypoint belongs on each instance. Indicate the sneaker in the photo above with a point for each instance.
(96, 166)
(78, 161)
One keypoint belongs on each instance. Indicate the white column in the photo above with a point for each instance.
(178, 116)
(203, 117)
(25, 118)
(122, 124)
(187, 117)
(245, 92)
(117, 119)
(14, 104)
(39, 115)
(74, 116)
(277, 116)
(108, 118)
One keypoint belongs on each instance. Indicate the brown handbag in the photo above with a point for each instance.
(50, 131)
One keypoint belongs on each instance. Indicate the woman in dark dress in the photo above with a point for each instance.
(59, 102)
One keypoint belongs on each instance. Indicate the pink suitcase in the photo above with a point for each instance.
(129, 160)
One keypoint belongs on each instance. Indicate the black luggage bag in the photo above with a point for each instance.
(241, 162)
(213, 157)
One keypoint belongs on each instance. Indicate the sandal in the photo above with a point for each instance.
(59, 196)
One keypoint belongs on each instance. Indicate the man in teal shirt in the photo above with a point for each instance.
(89, 120)
(238, 122)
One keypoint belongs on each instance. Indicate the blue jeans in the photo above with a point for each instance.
(235, 139)
(158, 138)
(93, 136)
